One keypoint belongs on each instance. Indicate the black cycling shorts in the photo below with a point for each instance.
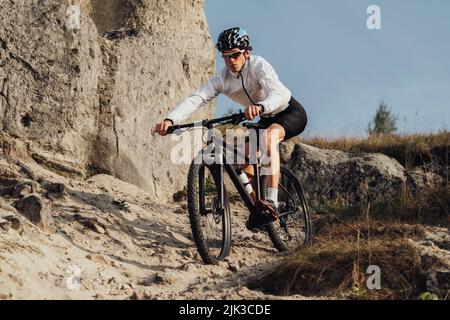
(293, 119)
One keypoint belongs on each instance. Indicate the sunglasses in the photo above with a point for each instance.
(233, 55)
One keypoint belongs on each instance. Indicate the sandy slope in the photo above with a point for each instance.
(100, 250)
(144, 252)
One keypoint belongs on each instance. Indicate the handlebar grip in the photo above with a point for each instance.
(171, 129)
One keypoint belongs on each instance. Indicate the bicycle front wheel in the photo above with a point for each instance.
(210, 221)
(293, 228)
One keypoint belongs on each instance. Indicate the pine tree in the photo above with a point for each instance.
(384, 121)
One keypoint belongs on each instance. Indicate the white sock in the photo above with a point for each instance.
(272, 194)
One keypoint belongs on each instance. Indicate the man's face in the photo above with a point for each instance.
(235, 58)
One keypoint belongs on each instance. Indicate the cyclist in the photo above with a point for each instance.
(252, 82)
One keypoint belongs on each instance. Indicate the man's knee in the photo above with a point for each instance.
(273, 135)
(271, 142)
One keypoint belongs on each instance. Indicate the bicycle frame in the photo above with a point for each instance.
(224, 166)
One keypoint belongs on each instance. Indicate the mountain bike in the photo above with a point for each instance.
(208, 198)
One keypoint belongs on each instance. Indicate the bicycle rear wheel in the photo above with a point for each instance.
(293, 228)
(211, 226)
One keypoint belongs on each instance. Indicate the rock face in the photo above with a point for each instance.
(330, 175)
(86, 97)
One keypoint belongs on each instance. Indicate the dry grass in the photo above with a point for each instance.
(409, 150)
(368, 228)
(427, 207)
(336, 263)
(430, 207)
(350, 239)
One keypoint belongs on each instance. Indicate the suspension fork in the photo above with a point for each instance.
(220, 156)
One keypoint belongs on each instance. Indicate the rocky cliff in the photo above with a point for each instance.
(83, 82)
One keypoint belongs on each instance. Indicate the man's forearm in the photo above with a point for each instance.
(184, 109)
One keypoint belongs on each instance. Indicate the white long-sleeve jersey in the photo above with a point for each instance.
(261, 83)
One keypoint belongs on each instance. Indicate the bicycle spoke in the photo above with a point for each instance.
(287, 192)
(292, 230)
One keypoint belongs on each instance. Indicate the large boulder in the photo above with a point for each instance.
(334, 176)
(87, 97)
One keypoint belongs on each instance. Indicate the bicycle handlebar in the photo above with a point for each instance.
(234, 118)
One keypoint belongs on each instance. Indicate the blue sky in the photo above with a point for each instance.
(339, 69)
